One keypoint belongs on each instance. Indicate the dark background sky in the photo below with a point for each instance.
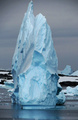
(61, 15)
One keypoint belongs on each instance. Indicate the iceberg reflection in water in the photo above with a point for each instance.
(39, 114)
(58, 113)
(54, 113)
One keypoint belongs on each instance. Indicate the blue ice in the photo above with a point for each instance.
(35, 63)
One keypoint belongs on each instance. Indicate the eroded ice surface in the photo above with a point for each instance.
(34, 65)
(59, 88)
(61, 98)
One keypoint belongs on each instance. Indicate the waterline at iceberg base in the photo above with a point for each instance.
(35, 64)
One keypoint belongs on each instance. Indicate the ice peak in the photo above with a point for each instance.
(30, 7)
(41, 18)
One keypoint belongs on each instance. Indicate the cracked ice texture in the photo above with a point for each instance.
(34, 65)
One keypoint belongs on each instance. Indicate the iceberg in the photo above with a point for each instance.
(75, 73)
(35, 63)
(9, 84)
(72, 90)
(67, 70)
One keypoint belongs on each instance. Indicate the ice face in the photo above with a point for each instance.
(34, 65)
(59, 88)
(25, 45)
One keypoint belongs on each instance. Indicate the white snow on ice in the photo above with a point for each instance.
(3, 72)
(66, 78)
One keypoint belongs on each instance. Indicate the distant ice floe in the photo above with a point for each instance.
(71, 91)
(75, 73)
(7, 84)
(2, 86)
(67, 71)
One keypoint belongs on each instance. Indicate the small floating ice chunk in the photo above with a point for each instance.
(61, 98)
(72, 91)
